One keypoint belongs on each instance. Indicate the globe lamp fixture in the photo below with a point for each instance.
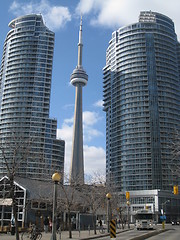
(108, 195)
(56, 177)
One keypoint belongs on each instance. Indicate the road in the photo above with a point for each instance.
(173, 234)
(127, 235)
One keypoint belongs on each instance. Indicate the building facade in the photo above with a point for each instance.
(142, 103)
(33, 199)
(27, 134)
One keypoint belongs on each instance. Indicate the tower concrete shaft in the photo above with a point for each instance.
(79, 79)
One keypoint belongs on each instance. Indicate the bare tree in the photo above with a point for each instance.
(120, 207)
(13, 153)
(70, 200)
(94, 194)
(118, 201)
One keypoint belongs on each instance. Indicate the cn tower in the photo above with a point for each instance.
(79, 79)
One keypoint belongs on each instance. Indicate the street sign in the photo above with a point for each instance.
(163, 217)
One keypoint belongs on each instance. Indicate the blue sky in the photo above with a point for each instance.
(100, 19)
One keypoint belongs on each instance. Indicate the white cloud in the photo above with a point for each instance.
(65, 132)
(69, 120)
(55, 17)
(90, 118)
(99, 103)
(86, 6)
(94, 157)
(117, 13)
(90, 133)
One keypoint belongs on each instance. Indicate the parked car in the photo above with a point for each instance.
(175, 222)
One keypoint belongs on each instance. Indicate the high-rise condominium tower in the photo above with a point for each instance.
(25, 86)
(79, 79)
(142, 103)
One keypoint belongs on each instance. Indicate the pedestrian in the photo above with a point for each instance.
(119, 222)
(58, 224)
(12, 226)
(46, 224)
(100, 226)
(50, 225)
(100, 223)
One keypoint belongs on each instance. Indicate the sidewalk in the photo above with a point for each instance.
(65, 235)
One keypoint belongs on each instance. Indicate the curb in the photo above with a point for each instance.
(104, 235)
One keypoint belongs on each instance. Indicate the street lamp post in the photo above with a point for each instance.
(56, 177)
(108, 196)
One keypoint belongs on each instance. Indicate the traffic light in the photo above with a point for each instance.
(175, 189)
(127, 195)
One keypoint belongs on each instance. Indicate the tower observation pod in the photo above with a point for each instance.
(79, 79)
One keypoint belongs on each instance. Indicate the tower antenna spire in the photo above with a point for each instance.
(80, 45)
